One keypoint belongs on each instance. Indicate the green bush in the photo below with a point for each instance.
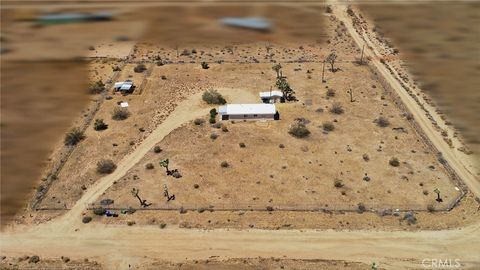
(213, 97)
(99, 125)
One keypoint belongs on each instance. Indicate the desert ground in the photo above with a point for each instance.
(251, 195)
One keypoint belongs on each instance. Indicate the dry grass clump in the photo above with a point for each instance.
(382, 122)
(330, 92)
(328, 126)
(336, 108)
(338, 183)
(224, 164)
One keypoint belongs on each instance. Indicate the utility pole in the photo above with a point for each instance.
(323, 72)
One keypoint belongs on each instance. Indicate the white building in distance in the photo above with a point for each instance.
(248, 112)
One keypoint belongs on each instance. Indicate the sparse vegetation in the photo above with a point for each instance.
(242, 145)
(213, 97)
(157, 149)
(106, 166)
(336, 108)
(338, 183)
(394, 162)
(99, 125)
(330, 92)
(328, 126)
(299, 130)
(149, 166)
(382, 121)
(74, 137)
(331, 58)
(139, 68)
(205, 65)
(277, 68)
(213, 136)
(97, 87)
(120, 114)
(86, 219)
(224, 164)
(198, 121)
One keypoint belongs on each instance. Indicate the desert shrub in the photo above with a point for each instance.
(213, 136)
(163, 225)
(394, 162)
(139, 68)
(130, 223)
(365, 157)
(116, 68)
(299, 130)
(74, 136)
(157, 149)
(281, 146)
(430, 208)
(330, 92)
(224, 164)
(86, 219)
(212, 120)
(224, 128)
(149, 166)
(328, 126)
(205, 65)
(319, 110)
(163, 77)
(198, 121)
(328, 9)
(106, 166)
(338, 183)
(361, 208)
(269, 208)
(34, 259)
(182, 210)
(410, 218)
(242, 145)
(201, 210)
(336, 108)
(196, 186)
(97, 87)
(213, 97)
(120, 114)
(217, 125)
(99, 211)
(382, 122)
(99, 125)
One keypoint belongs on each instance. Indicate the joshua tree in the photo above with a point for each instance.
(436, 190)
(288, 93)
(331, 58)
(165, 193)
(277, 68)
(143, 203)
(164, 163)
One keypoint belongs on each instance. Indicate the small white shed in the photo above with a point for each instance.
(271, 96)
(248, 112)
(125, 86)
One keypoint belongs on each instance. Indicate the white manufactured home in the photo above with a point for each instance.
(271, 96)
(248, 112)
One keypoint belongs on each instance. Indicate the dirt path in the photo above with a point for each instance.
(464, 165)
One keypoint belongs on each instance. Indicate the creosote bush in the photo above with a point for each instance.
(394, 162)
(74, 136)
(299, 130)
(242, 145)
(224, 164)
(140, 68)
(120, 114)
(336, 108)
(157, 149)
(213, 136)
(198, 121)
(149, 166)
(99, 125)
(382, 121)
(328, 126)
(205, 65)
(338, 183)
(106, 166)
(213, 97)
(330, 92)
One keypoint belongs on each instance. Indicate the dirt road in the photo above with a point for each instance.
(118, 246)
(465, 166)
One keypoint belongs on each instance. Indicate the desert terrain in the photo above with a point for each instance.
(251, 195)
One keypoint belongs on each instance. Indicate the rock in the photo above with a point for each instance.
(34, 259)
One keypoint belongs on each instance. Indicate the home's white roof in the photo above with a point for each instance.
(239, 109)
(125, 87)
(271, 94)
(120, 84)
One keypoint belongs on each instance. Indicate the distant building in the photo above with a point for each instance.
(248, 112)
(125, 87)
(254, 23)
(271, 96)
(74, 17)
